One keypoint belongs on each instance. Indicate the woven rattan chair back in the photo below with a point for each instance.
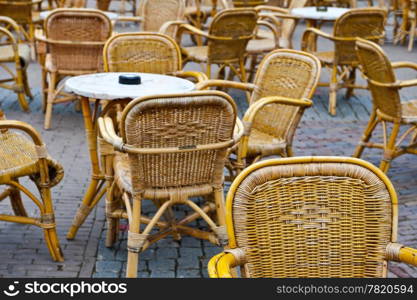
(175, 123)
(79, 36)
(367, 23)
(239, 24)
(142, 52)
(19, 10)
(376, 66)
(157, 12)
(285, 73)
(312, 217)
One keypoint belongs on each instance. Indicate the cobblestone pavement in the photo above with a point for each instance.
(23, 253)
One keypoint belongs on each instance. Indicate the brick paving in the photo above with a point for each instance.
(23, 253)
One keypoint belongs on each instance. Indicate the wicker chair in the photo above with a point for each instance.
(311, 217)
(23, 154)
(152, 14)
(364, 22)
(22, 12)
(75, 39)
(284, 83)
(14, 51)
(227, 38)
(170, 148)
(408, 26)
(387, 106)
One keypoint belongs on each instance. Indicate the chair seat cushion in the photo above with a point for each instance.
(196, 53)
(409, 111)
(261, 143)
(7, 54)
(256, 46)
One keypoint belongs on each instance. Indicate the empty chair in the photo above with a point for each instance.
(23, 154)
(282, 89)
(13, 51)
(75, 40)
(311, 217)
(169, 148)
(342, 62)
(387, 106)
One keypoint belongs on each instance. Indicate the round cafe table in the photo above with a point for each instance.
(105, 86)
(314, 17)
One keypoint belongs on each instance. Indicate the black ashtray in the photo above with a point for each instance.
(129, 79)
(321, 8)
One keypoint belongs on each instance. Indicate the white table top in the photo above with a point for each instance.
(310, 12)
(44, 14)
(105, 86)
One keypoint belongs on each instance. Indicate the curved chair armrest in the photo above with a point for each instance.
(28, 129)
(198, 76)
(399, 84)
(195, 31)
(129, 19)
(164, 28)
(227, 84)
(269, 8)
(408, 255)
(220, 266)
(107, 131)
(273, 27)
(11, 22)
(404, 64)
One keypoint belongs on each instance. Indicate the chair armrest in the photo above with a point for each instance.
(404, 64)
(198, 76)
(281, 10)
(398, 252)
(164, 28)
(129, 19)
(273, 28)
(28, 129)
(227, 84)
(195, 31)
(221, 265)
(399, 84)
(107, 131)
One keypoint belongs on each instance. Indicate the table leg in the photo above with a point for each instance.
(96, 188)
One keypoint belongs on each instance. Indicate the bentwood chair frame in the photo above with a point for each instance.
(227, 38)
(168, 153)
(408, 26)
(23, 153)
(367, 23)
(72, 50)
(311, 217)
(284, 84)
(387, 106)
(14, 50)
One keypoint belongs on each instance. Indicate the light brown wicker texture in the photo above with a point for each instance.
(13, 52)
(75, 40)
(227, 38)
(342, 62)
(176, 147)
(153, 14)
(23, 154)
(284, 83)
(311, 217)
(387, 106)
(408, 26)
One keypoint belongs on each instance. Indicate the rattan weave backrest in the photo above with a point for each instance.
(142, 52)
(367, 23)
(183, 121)
(156, 12)
(77, 25)
(18, 10)
(377, 67)
(312, 217)
(288, 25)
(237, 23)
(285, 73)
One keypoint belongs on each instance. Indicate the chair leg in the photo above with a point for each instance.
(389, 149)
(351, 81)
(333, 91)
(412, 36)
(220, 206)
(112, 223)
(26, 85)
(44, 90)
(20, 85)
(50, 99)
(134, 227)
(16, 202)
(366, 135)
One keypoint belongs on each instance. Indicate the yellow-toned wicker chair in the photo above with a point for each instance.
(342, 62)
(170, 148)
(284, 83)
(227, 38)
(75, 39)
(197, 12)
(387, 106)
(14, 51)
(152, 14)
(311, 217)
(22, 12)
(408, 25)
(23, 154)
